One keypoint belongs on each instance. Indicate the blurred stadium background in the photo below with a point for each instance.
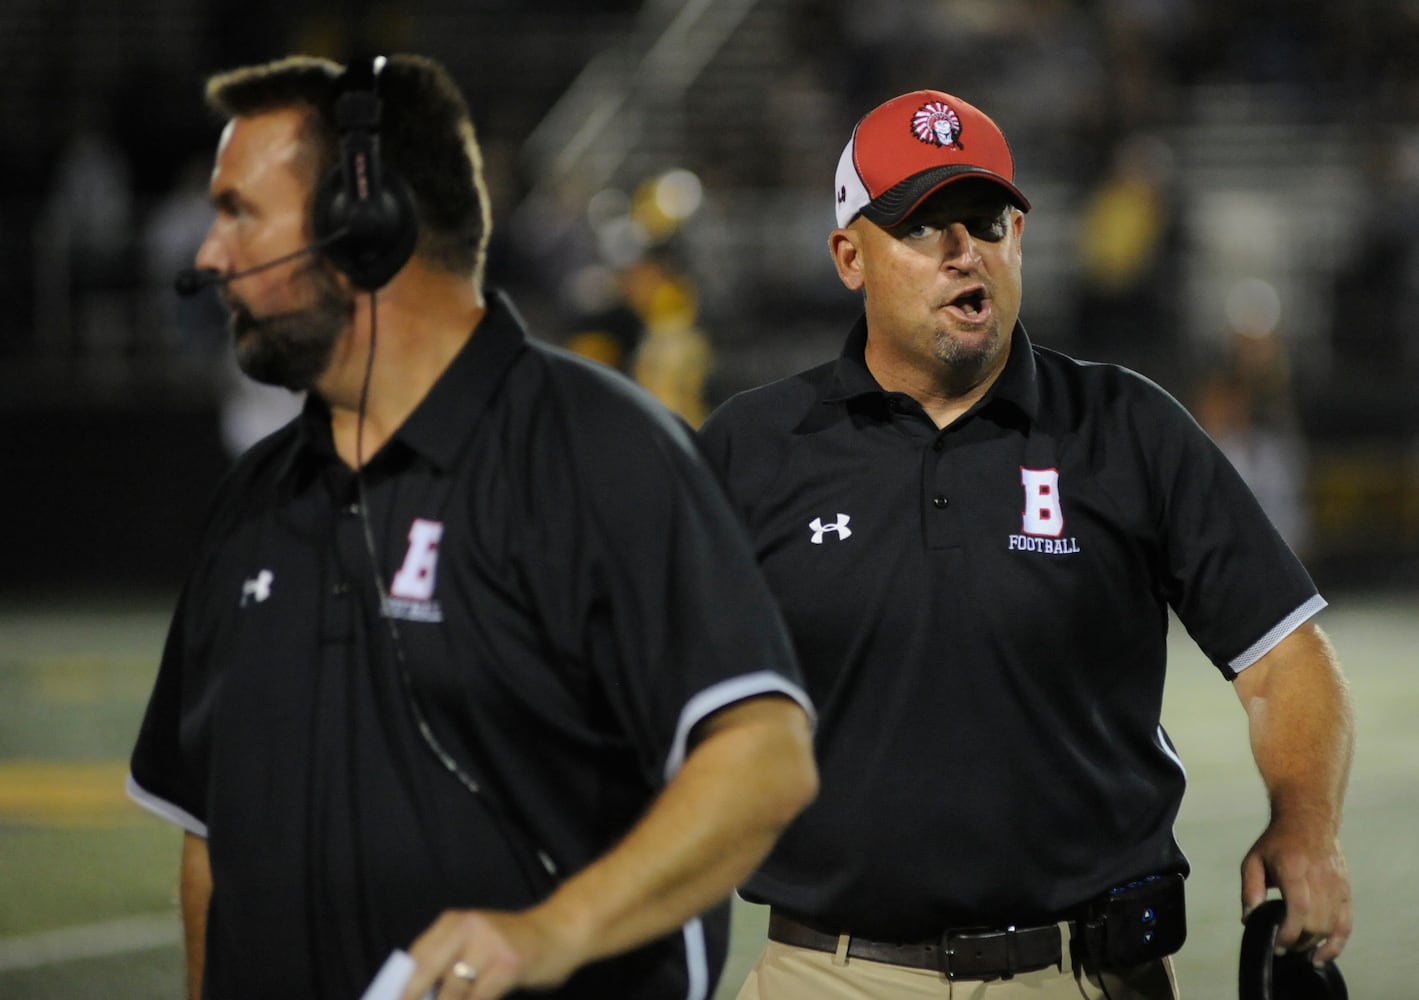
(1226, 197)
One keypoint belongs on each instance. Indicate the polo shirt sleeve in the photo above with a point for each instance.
(168, 767)
(674, 616)
(1234, 582)
(161, 778)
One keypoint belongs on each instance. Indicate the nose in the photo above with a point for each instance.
(211, 253)
(960, 247)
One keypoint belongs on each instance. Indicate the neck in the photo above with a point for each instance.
(944, 393)
(419, 324)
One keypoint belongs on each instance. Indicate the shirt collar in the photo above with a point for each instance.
(437, 427)
(1017, 383)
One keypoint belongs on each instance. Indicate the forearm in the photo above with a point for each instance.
(195, 893)
(749, 776)
(750, 772)
(1301, 726)
(1302, 735)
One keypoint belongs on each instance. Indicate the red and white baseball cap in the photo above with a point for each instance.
(905, 149)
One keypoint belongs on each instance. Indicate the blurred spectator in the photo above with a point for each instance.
(190, 328)
(91, 203)
(249, 410)
(606, 328)
(642, 320)
(636, 307)
(1127, 309)
(1246, 402)
(1376, 287)
(83, 262)
(673, 358)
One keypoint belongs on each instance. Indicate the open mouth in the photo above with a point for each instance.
(971, 303)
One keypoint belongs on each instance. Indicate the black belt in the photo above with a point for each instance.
(967, 954)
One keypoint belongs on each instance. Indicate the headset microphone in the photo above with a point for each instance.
(191, 280)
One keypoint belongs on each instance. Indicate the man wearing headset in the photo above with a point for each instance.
(474, 660)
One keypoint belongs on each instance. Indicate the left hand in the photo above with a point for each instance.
(501, 951)
(1303, 859)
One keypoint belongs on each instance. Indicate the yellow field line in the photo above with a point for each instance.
(65, 793)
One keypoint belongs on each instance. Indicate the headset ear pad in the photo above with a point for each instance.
(379, 232)
(363, 214)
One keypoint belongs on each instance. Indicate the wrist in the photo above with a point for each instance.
(568, 925)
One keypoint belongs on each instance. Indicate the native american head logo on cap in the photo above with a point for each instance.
(936, 124)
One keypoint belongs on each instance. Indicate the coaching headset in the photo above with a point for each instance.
(363, 216)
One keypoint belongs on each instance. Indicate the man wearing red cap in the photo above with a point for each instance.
(976, 543)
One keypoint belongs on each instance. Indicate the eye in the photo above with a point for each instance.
(229, 205)
(989, 228)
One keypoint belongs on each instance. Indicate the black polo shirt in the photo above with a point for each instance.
(571, 595)
(980, 615)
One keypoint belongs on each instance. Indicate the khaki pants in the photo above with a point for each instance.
(784, 972)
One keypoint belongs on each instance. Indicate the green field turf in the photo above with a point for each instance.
(88, 882)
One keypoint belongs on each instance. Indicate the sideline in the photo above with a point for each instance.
(101, 940)
(66, 794)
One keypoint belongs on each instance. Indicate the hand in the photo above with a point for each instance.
(482, 955)
(1303, 859)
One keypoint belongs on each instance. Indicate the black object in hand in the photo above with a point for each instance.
(1264, 975)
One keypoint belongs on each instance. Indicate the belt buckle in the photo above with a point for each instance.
(1000, 966)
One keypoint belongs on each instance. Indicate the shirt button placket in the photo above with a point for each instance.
(941, 531)
(338, 608)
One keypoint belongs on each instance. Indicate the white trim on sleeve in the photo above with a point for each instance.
(727, 692)
(696, 960)
(164, 809)
(1278, 632)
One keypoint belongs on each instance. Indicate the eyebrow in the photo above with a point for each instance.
(226, 201)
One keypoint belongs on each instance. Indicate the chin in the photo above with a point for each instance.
(971, 346)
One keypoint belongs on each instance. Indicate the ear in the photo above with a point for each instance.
(847, 257)
(1017, 222)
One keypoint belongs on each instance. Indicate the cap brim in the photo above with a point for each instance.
(896, 203)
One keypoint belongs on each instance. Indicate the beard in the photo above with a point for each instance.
(292, 349)
(967, 362)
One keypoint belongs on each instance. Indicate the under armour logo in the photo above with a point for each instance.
(820, 529)
(258, 588)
